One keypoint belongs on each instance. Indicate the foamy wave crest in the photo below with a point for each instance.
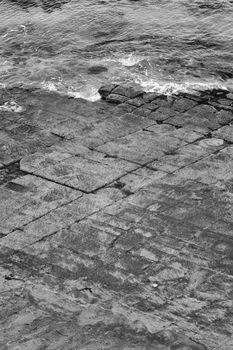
(125, 60)
(11, 106)
(130, 60)
(90, 95)
(87, 93)
(169, 88)
(48, 85)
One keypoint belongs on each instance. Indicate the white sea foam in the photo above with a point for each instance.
(130, 60)
(11, 106)
(49, 85)
(89, 93)
(169, 88)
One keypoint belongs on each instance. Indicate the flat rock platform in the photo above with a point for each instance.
(116, 228)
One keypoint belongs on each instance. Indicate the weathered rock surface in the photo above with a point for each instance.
(116, 221)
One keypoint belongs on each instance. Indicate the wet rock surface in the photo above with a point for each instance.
(116, 221)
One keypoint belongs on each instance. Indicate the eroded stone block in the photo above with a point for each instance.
(84, 173)
(141, 147)
(30, 197)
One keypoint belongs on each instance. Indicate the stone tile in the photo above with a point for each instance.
(225, 133)
(212, 169)
(71, 147)
(128, 91)
(70, 128)
(110, 129)
(188, 135)
(124, 108)
(196, 121)
(203, 110)
(77, 109)
(21, 130)
(184, 134)
(11, 150)
(196, 128)
(186, 155)
(105, 90)
(164, 129)
(85, 239)
(105, 223)
(110, 222)
(141, 147)
(10, 172)
(140, 178)
(51, 221)
(86, 172)
(143, 111)
(163, 101)
(70, 213)
(116, 98)
(224, 117)
(175, 189)
(162, 113)
(196, 214)
(201, 116)
(48, 119)
(225, 101)
(44, 159)
(183, 104)
(137, 101)
(150, 96)
(27, 131)
(16, 240)
(32, 197)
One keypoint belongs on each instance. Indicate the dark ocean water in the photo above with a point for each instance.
(76, 46)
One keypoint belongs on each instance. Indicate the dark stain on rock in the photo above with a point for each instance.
(96, 69)
(17, 187)
(10, 173)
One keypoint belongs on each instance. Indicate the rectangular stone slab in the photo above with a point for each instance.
(30, 197)
(186, 155)
(96, 134)
(65, 215)
(84, 173)
(212, 169)
(142, 146)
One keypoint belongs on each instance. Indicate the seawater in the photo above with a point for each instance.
(76, 46)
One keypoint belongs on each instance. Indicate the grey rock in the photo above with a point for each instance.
(130, 92)
(116, 99)
(105, 90)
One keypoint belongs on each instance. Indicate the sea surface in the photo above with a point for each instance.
(76, 46)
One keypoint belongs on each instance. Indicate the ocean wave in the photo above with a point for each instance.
(130, 60)
(89, 93)
(171, 88)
